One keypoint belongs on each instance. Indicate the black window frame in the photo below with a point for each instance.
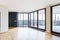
(51, 8)
(45, 19)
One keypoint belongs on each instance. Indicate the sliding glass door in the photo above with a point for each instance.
(35, 19)
(41, 19)
(31, 19)
(56, 19)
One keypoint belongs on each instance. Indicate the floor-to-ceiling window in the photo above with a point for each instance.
(38, 19)
(26, 19)
(55, 18)
(41, 19)
(35, 19)
(32, 19)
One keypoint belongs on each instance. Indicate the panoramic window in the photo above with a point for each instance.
(41, 19)
(35, 19)
(56, 19)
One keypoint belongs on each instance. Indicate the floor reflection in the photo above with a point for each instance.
(48, 36)
(26, 34)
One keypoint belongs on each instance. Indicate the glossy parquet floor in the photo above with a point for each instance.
(26, 34)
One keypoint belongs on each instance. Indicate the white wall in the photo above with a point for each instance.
(27, 5)
(3, 19)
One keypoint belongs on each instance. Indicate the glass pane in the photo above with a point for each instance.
(20, 20)
(25, 19)
(32, 19)
(35, 19)
(29, 19)
(41, 17)
(56, 19)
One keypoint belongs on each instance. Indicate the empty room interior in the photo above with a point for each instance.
(29, 19)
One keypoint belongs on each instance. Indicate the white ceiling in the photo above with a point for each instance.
(27, 5)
